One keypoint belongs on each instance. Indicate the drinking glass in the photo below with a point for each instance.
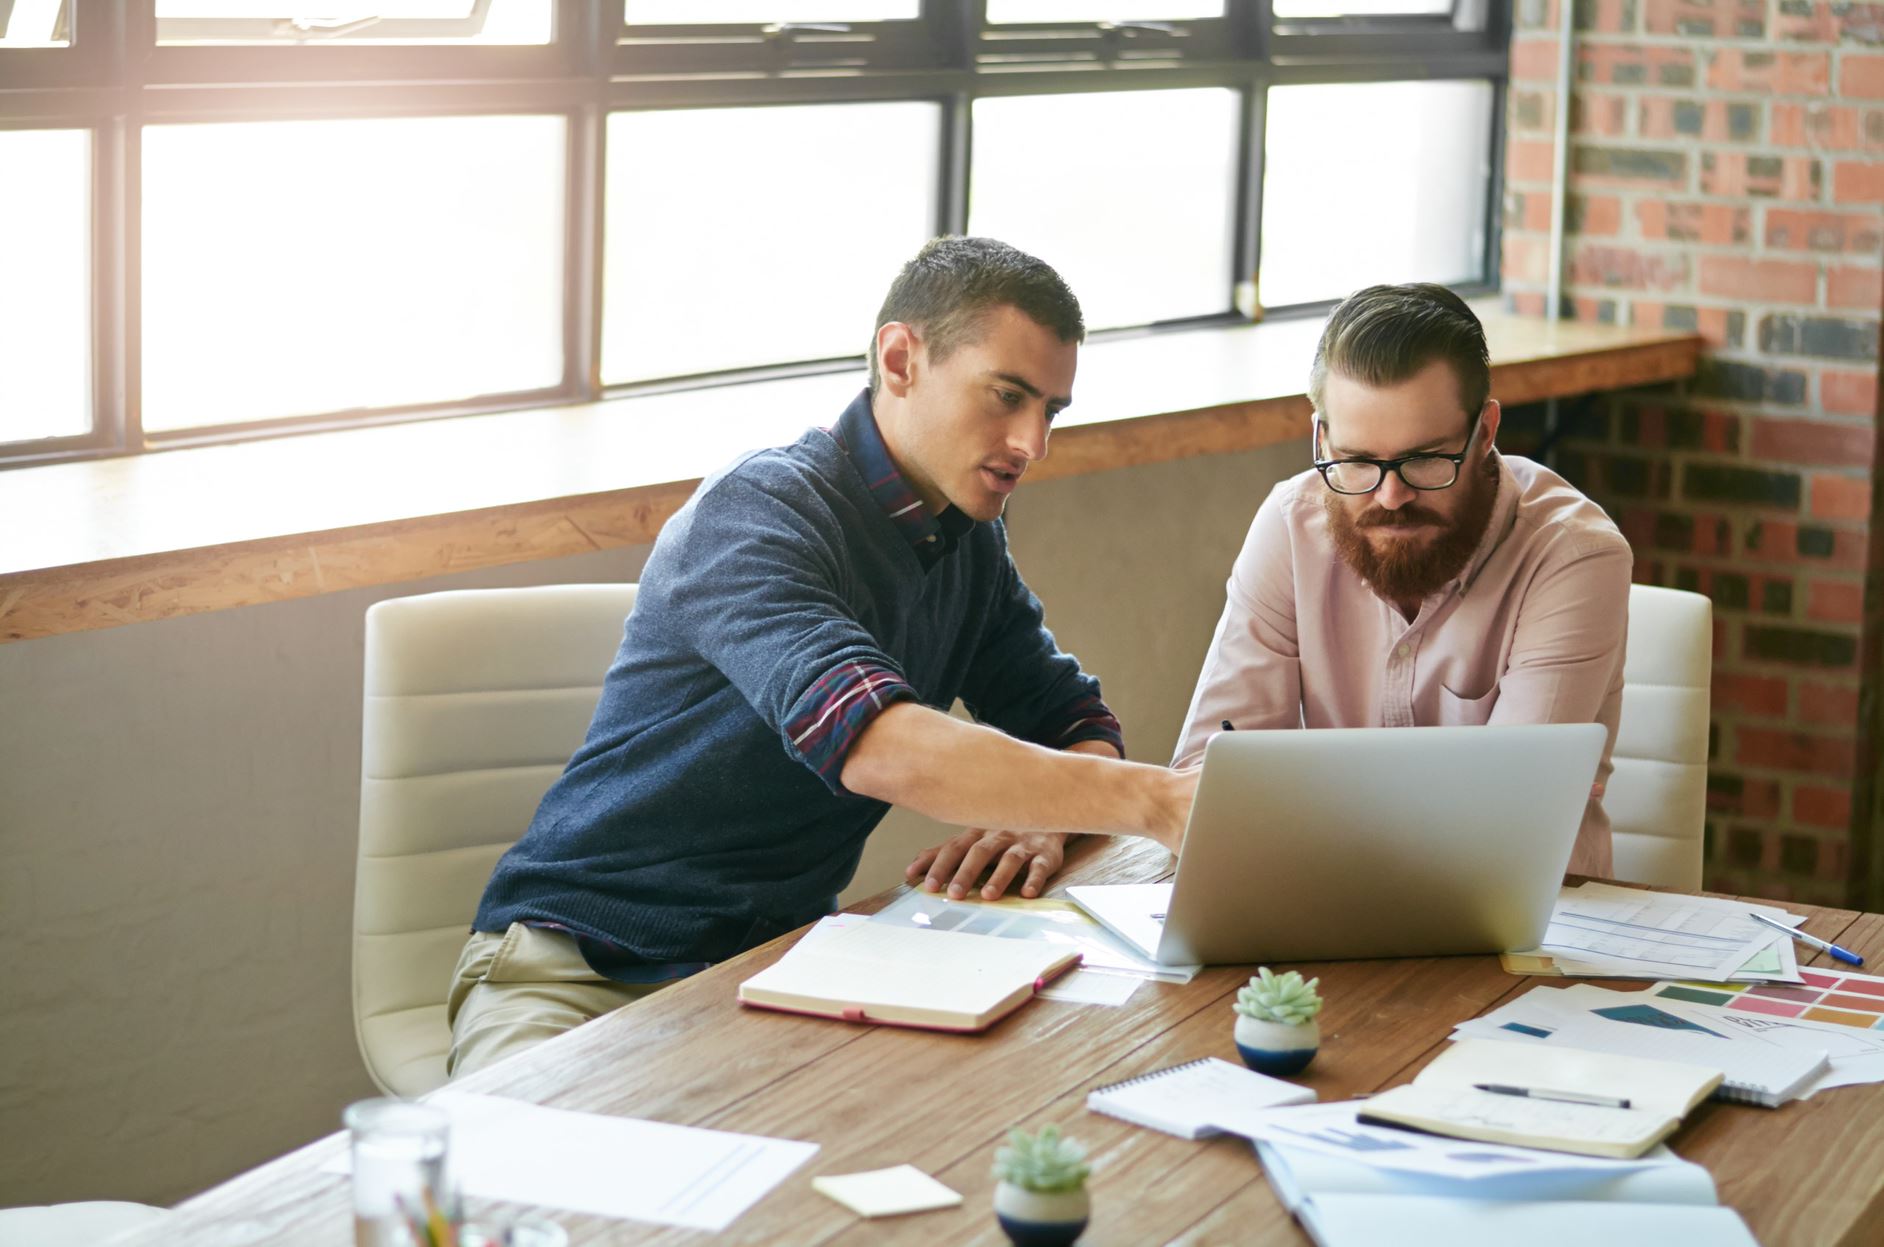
(402, 1190)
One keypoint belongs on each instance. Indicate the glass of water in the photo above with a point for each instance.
(403, 1194)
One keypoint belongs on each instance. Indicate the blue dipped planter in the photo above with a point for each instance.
(1275, 1049)
(1041, 1219)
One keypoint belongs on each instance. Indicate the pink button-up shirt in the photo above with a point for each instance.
(1531, 631)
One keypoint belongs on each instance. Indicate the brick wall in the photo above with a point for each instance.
(1727, 176)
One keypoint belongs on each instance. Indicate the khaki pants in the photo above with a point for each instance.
(513, 991)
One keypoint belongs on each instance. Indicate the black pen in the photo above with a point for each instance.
(1561, 1097)
(1228, 726)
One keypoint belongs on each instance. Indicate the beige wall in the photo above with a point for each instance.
(177, 810)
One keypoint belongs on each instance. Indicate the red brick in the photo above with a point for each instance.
(1827, 21)
(1775, 73)
(1795, 751)
(1530, 160)
(1834, 704)
(1764, 281)
(1713, 121)
(1534, 58)
(1716, 224)
(1750, 694)
(1757, 798)
(1596, 216)
(1723, 20)
(1527, 211)
(1850, 285)
(1605, 116)
(1526, 259)
(1835, 601)
(1814, 806)
(1841, 497)
(1632, 65)
(1834, 127)
(1521, 302)
(1858, 182)
(1609, 17)
(1795, 229)
(1861, 77)
(1817, 442)
(1848, 393)
(1718, 326)
(1741, 174)
(1603, 265)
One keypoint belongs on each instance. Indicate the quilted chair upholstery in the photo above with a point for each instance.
(1657, 797)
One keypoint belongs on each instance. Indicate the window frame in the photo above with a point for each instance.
(113, 79)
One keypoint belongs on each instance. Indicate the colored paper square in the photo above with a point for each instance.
(1774, 991)
(1860, 1020)
(1818, 979)
(1864, 987)
(1695, 995)
(1778, 1008)
(1716, 988)
(1864, 1004)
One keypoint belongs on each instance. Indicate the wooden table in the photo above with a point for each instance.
(1811, 1172)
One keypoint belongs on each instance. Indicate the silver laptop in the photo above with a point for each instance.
(1365, 842)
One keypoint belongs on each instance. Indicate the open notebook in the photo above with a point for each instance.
(1206, 1096)
(1445, 1099)
(899, 976)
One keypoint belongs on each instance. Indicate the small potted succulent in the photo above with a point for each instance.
(1275, 1022)
(1041, 1198)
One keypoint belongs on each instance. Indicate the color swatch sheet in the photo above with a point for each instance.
(1825, 996)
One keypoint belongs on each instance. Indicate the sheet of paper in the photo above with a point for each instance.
(1784, 1017)
(887, 1192)
(609, 1166)
(1661, 934)
(1092, 987)
(1017, 918)
(1366, 1220)
(1331, 1129)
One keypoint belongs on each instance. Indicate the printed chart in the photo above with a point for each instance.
(1825, 996)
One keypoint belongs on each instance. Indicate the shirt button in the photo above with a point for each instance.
(1404, 650)
(930, 537)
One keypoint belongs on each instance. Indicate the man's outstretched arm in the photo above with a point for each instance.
(975, 776)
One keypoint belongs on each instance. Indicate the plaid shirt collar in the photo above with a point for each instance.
(929, 536)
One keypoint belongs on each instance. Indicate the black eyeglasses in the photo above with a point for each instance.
(1424, 471)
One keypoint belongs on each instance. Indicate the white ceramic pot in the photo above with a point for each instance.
(1041, 1218)
(1273, 1048)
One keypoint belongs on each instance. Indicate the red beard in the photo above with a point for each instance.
(1412, 570)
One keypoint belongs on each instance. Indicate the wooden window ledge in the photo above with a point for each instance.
(154, 536)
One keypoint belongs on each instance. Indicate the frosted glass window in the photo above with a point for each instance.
(45, 284)
(353, 21)
(35, 24)
(1130, 195)
(302, 267)
(738, 237)
(709, 12)
(1102, 10)
(1373, 182)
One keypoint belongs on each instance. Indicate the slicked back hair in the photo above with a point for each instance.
(1384, 335)
(953, 282)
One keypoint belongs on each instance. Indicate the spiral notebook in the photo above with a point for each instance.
(1203, 1097)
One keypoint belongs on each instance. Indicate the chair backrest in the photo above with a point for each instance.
(1657, 797)
(475, 701)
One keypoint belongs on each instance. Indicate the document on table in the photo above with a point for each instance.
(610, 1166)
(1367, 1220)
(1604, 929)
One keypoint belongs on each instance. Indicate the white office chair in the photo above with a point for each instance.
(475, 701)
(67, 1225)
(1657, 796)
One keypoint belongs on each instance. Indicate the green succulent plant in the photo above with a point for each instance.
(1284, 998)
(1046, 1162)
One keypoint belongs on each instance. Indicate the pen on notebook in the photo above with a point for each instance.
(1843, 954)
(1561, 1097)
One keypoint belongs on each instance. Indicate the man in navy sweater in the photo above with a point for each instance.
(802, 627)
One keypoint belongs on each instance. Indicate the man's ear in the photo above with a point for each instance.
(897, 350)
(1488, 422)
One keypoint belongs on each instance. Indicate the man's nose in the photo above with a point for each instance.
(1028, 435)
(1393, 493)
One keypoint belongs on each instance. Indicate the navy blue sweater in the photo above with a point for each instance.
(781, 609)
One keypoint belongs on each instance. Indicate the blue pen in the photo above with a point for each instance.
(1843, 954)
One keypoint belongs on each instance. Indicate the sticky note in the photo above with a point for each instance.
(887, 1192)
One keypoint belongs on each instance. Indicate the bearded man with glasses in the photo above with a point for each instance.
(1414, 576)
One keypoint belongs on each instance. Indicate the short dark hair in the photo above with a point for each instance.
(1385, 334)
(953, 282)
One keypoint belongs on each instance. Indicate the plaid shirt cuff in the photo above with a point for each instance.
(1086, 719)
(833, 713)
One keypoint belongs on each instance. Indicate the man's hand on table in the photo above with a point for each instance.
(959, 861)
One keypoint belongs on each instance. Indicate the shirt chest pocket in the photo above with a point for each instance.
(1457, 711)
